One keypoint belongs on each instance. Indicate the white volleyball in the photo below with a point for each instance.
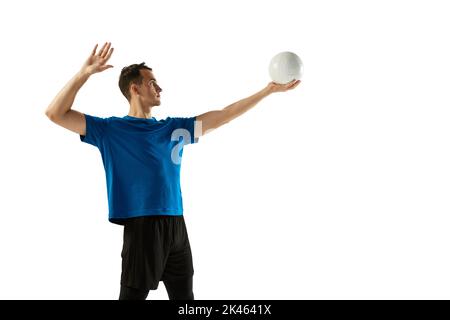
(285, 67)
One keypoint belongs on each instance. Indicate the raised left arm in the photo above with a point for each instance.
(214, 119)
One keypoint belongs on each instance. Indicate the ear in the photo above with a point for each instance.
(134, 89)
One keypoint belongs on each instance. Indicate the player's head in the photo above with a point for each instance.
(138, 82)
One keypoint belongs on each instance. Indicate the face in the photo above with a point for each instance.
(149, 90)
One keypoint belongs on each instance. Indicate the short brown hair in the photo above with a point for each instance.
(129, 75)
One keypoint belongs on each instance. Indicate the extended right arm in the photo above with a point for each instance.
(59, 111)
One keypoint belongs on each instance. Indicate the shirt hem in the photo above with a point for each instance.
(120, 219)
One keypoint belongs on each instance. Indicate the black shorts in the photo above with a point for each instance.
(155, 248)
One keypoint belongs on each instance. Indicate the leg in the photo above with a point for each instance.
(143, 255)
(180, 289)
(127, 293)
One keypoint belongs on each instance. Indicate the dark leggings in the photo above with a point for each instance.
(176, 289)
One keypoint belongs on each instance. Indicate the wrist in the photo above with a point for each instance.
(267, 90)
(83, 74)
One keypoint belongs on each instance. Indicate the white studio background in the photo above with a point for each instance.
(335, 190)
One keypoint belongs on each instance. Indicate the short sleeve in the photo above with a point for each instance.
(187, 124)
(95, 130)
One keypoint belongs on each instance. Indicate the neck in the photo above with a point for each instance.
(137, 110)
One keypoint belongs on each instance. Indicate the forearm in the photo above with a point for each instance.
(213, 119)
(63, 101)
(240, 107)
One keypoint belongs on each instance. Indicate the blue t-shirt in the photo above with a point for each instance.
(142, 160)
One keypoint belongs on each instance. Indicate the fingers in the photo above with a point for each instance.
(103, 68)
(109, 54)
(104, 49)
(93, 51)
(294, 83)
(107, 49)
(105, 52)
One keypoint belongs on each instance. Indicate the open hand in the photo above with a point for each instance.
(276, 87)
(96, 62)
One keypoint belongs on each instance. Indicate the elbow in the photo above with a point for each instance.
(227, 117)
(49, 114)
